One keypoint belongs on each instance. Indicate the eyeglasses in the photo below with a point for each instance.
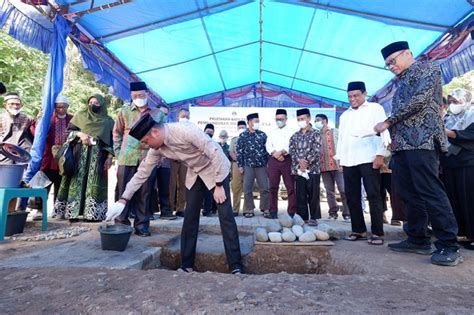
(392, 61)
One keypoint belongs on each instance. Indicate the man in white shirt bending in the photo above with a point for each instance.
(279, 164)
(360, 152)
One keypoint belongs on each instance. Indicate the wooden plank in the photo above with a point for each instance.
(315, 243)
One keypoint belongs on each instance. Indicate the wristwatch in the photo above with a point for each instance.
(219, 184)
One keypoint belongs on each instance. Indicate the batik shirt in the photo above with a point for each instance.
(305, 146)
(328, 150)
(415, 121)
(128, 150)
(251, 149)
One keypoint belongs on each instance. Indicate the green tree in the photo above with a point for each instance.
(465, 81)
(23, 70)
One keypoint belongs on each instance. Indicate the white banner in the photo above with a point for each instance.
(226, 118)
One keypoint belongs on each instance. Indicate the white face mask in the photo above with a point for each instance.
(140, 102)
(302, 124)
(62, 116)
(181, 119)
(256, 126)
(280, 123)
(456, 108)
(13, 111)
(241, 130)
(318, 124)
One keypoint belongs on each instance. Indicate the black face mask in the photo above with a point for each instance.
(210, 135)
(95, 109)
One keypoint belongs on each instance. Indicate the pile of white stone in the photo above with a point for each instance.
(288, 229)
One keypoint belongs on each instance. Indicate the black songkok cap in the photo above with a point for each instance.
(241, 123)
(356, 85)
(303, 111)
(138, 86)
(209, 126)
(394, 47)
(281, 111)
(142, 126)
(3, 89)
(252, 116)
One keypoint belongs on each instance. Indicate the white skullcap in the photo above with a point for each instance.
(61, 99)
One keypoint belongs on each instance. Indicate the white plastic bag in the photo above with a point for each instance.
(40, 180)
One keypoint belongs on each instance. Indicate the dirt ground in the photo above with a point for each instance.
(384, 283)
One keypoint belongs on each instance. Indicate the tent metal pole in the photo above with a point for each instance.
(197, 58)
(212, 50)
(326, 55)
(304, 80)
(261, 44)
(166, 20)
(304, 45)
(347, 10)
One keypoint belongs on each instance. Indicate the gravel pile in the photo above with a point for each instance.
(57, 234)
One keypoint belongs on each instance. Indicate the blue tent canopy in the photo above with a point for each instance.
(185, 49)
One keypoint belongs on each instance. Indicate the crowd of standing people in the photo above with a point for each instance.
(178, 170)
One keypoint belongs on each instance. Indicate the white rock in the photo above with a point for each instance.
(297, 230)
(321, 236)
(308, 228)
(288, 236)
(307, 237)
(328, 229)
(275, 237)
(273, 226)
(298, 220)
(285, 220)
(285, 230)
(261, 234)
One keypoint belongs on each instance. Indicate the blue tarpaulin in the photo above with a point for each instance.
(53, 85)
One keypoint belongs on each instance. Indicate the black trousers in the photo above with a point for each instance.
(459, 184)
(352, 182)
(140, 204)
(209, 205)
(417, 175)
(385, 187)
(160, 194)
(189, 232)
(307, 195)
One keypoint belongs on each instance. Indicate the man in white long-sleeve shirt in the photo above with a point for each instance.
(360, 152)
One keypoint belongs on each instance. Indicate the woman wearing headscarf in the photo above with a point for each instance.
(458, 164)
(85, 192)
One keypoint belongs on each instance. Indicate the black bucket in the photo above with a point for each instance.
(15, 222)
(115, 237)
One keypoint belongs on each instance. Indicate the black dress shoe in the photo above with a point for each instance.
(142, 232)
(180, 214)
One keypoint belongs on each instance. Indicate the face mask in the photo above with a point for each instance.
(140, 102)
(240, 131)
(280, 123)
(210, 135)
(62, 116)
(256, 126)
(182, 119)
(318, 124)
(456, 108)
(14, 112)
(95, 109)
(302, 124)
